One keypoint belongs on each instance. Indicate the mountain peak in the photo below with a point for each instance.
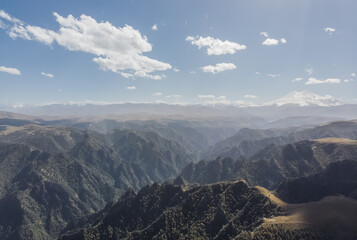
(304, 99)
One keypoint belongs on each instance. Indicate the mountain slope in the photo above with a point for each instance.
(248, 142)
(226, 210)
(337, 178)
(219, 211)
(49, 189)
(273, 164)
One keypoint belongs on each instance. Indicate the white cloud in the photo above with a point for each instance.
(116, 49)
(158, 94)
(347, 80)
(219, 67)
(131, 88)
(13, 71)
(250, 96)
(206, 96)
(7, 17)
(273, 75)
(60, 89)
(265, 34)
(270, 42)
(193, 72)
(216, 46)
(143, 74)
(154, 27)
(2, 25)
(353, 74)
(49, 75)
(126, 75)
(297, 79)
(309, 70)
(213, 100)
(224, 101)
(176, 70)
(313, 81)
(329, 30)
(174, 96)
(257, 73)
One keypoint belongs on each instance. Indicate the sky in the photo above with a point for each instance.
(202, 51)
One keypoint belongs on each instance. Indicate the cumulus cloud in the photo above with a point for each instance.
(329, 30)
(117, 49)
(206, 96)
(176, 70)
(250, 96)
(257, 73)
(297, 79)
(13, 71)
(270, 42)
(215, 46)
(49, 75)
(219, 67)
(353, 74)
(313, 81)
(131, 87)
(158, 94)
(154, 27)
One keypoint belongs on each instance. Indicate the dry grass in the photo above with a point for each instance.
(271, 196)
(337, 212)
(11, 129)
(337, 140)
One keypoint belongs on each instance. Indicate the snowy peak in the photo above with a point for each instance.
(304, 99)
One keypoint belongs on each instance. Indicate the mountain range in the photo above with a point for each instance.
(87, 178)
(295, 104)
(248, 142)
(273, 164)
(53, 175)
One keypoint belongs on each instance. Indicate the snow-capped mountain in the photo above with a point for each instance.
(304, 99)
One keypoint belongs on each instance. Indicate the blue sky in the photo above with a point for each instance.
(201, 51)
